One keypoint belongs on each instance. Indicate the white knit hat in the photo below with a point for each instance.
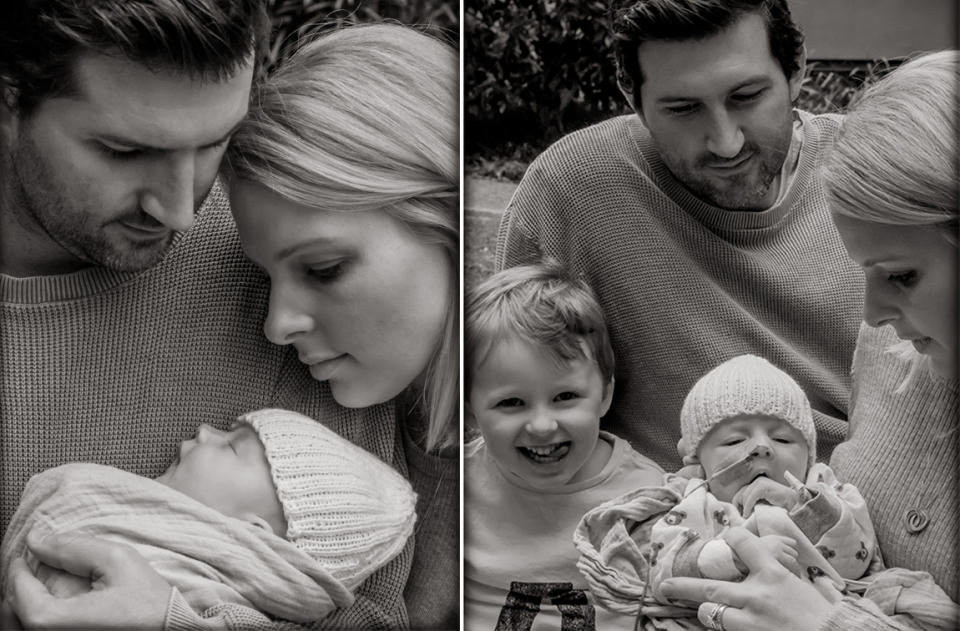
(344, 507)
(744, 385)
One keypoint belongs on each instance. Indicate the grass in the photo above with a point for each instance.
(479, 245)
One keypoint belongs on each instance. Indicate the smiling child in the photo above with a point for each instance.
(539, 377)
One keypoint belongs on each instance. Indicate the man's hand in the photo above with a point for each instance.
(126, 593)
(764, 490)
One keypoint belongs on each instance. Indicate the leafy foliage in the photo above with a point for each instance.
(297, 20)
(534, 70)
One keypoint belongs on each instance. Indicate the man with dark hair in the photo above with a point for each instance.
(128, 313)
(700, 221)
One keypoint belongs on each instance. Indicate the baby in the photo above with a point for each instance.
(279, 514)
(748, 439)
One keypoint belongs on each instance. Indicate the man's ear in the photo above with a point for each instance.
(607, 397)
(633, 103)
(796, 81)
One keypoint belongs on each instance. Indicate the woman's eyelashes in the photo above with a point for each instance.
(325, 273)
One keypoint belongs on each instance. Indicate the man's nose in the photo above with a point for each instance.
(725, 137)
(169, 198)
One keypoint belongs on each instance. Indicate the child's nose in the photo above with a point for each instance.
(541, 423)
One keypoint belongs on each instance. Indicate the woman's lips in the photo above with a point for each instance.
(324, 369)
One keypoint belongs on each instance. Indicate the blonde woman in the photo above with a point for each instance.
(344, 186)
(892, 182)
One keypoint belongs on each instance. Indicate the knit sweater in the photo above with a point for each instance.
(685, 285)
(118, 368)
(903, 454)
(433, 591)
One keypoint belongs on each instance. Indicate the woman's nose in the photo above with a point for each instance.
(285, 320)
(878, 307)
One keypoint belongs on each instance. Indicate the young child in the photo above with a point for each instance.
(748, 438)
(539, 372)
(279, 514)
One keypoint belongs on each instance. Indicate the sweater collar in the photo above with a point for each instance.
(83, 283)
(732, 221)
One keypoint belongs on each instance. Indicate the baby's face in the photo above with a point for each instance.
(776, 445)
(228, 471)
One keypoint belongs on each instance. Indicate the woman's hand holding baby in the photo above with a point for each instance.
(767, 491)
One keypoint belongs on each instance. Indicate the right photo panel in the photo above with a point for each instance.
(710, 315)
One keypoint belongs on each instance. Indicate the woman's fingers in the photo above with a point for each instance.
(750, 549)
(700, 590)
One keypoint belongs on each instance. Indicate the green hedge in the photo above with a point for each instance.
(295, 20)
(534, 70)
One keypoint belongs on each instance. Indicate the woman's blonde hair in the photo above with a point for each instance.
(895, 159)
(366, 118)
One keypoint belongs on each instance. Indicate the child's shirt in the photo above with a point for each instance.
(650, 535)
(520, 564)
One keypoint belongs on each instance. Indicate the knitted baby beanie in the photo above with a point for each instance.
(745, 385)
(344, 507)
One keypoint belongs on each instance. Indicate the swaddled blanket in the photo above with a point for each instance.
(209, 557)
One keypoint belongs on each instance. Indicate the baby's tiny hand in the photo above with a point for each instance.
(764, 490)
(784, 549)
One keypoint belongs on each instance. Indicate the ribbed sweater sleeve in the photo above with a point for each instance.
(686, 286)
(903, 454)
(118, 368)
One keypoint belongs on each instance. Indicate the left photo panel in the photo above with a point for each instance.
(229, 314)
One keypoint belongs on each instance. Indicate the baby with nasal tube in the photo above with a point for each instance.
(748, 444)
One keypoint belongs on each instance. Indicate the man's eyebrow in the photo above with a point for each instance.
(133, 144)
